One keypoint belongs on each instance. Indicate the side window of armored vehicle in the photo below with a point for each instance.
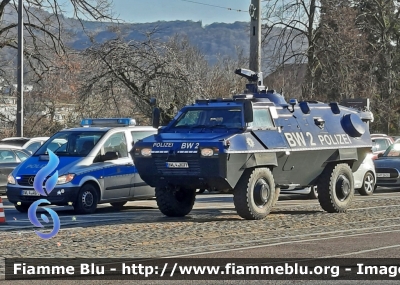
(116, 142)
(262, 119)
(141, 135)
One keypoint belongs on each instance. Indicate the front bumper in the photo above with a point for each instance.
(209, 173)
(387, 177)
(61, 195)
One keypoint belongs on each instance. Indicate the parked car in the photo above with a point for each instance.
(364, 180)
(95, 167)
(380, 143)
(29, 144)
(387, 167)
(10, 157)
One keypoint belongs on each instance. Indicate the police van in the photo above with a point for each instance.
(94, 167)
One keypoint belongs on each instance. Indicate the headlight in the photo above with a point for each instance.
(10, 179)
(146, 152)
(65, 178)
(208, 151)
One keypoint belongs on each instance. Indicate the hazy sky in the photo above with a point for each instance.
(208, 11)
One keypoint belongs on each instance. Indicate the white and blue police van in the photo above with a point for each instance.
(94, 167)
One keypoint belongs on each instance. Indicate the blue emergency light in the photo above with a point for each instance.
(108, 122)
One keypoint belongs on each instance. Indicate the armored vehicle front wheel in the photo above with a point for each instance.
(336, 188)
(23, 208)
(175, 201)
(254, 194)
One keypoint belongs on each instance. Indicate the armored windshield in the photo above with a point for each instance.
(71, 143)
(210, 118)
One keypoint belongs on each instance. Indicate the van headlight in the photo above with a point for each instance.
(65, 178)
(10, 179)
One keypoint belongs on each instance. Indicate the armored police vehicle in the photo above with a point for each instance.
(94, 167)
(254, 144)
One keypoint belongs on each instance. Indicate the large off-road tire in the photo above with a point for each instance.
(313, 192)
(118, 205)
(254, 194)
(368, 185)
(175, 202)
(276, 197)
(23, 208)
(336, 188)
(86, 202)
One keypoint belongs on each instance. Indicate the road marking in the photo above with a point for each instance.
(288, 242)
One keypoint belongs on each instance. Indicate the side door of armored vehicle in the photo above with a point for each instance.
(118, 172)
(140, 188)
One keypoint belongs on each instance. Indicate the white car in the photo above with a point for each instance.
(29, 144)
(364, 181)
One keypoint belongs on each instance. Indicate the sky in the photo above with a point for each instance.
(207, 11)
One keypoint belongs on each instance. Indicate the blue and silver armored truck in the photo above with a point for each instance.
(253, 145)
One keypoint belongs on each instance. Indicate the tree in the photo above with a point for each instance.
(380, 21)
(341, 50)
(291, 32)
(174, 72)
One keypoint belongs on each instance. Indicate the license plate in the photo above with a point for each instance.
(30, 193)
(177, 165)
(383, 174)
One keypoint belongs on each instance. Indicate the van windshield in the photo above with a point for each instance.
(69, 143)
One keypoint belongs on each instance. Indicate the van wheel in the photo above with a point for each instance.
(22, 208)
(175, 201)
(313, 193)
(254, 194)
(368, 186)
(118, 205)
(86, 202)
(336, 188)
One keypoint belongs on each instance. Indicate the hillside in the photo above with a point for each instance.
(212, 40)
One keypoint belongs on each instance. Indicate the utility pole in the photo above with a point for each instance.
(255, 36)
(20, 71)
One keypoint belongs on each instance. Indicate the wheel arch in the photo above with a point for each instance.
(96, 186)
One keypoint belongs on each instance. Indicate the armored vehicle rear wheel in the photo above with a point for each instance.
(254, 194)
(336, 188)
(175, 202)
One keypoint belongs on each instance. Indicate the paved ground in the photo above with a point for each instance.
(295, 229)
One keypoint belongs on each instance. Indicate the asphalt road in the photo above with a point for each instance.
(140, 211)
(377, 241)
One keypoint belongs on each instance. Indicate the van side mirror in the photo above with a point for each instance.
(248, 111)
(156, 118)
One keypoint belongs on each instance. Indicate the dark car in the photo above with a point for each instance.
(387, 167)
(380, 143)
(10, 157)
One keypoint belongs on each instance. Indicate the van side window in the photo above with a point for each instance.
(116, 142)
(262, 119)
